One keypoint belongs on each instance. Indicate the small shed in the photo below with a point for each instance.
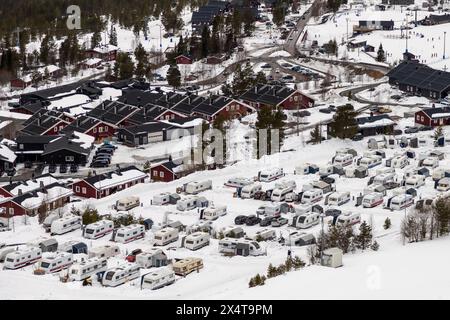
(174, 198)
(79, 247)
(412, 192)
(148, 223)
(202, 202)
(243, 249)
(160, 260)
(317, 208)
(414, 142)
(50, 245)
(361, 172)
(424, 172)
(332, 258)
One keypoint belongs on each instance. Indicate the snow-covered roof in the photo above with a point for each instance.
(441, 115)
(30, 185)
(52, 193)
(377, 123)
(112, 179)
(105, 48)
(4, 124)
(86, 141)
(7, 154)
(92, 61)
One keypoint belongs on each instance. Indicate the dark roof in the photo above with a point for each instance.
(364, 120)
(170, 165)
(41, 124)
(421, 76)
(32, 194)
(105, 176)
(81, 124)
(146, 128)
(13, 185)
(431, 111)
(112, 112)
(25, 139)
(212, 105)
(59, 90)
(65, 143)
(32, 107)
(267, 94)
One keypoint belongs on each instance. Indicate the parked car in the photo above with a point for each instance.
(252, 220)
(239, 220)
(325, 110)
(412, 130)
(100, 164)
(426, 128)
(358, 137)
(132, 256)
(278, 222)
(267, 221)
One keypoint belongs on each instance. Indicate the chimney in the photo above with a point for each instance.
(19, 192)
(39, 121)
(41, 184)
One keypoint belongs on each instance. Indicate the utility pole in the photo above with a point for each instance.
(321, 238)
(347, 29)
(445, 33)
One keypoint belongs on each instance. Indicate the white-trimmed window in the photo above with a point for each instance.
(296, 98)
(21, 146)
(77, 189)
(11, 211)
(55, 129)
(83, 190)
(227, 108)
(422, 118)
(100, 129)
(94, 130)
(106, 128)
(70, 158)
(161, 174)
(155, 173)
(418, 117)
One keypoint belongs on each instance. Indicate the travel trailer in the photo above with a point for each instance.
(129, 233)
(326, 170)
(443, 184)
(66, 224)
(240, 247)
(197, 187)
(186, 266)
(431, 162)
(338, 198)
(300, 239)
(283, 189)
(399, 162)
(306, 220)
(165, 236)
(152, 258)
(22, 258)
(165, 198)
(158, 279)
(47, 224)
(401, 202)
(238, 182)
(119, 275)
(265, 234)
(306, 168)
(383, 178)
(56, 262)
(250, 190)
(87, 268)
(46, 245)
(302, 209)
(196, 240)
(415, 181)
(98, 229)
(128, 203)
(370, 161)
(348, 219)
(213, 212)
(4, 251)
(107, 251)
(188, 203)
(324, 186)
(74, 247)
(312, 196)
(384, 170)
(374, 188)
(270, 175)
(440, 173)
(233, 232)
(343, 160)
(372, 200)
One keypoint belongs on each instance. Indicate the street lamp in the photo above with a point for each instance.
(322, 215)
(445, 33)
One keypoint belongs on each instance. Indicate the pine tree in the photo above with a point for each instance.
(288, 264)
(257, 280)
(298, 263)
(271, 271)
(174, 76)
(381, 56)
(375, 246)
(316, 134)
(113, 36)
(364, 239)
(438, 133)
(344, 124)
(251, 283)
(205, 42)
(281, 269)
(45, 49)
(387, 224)
(95, 39)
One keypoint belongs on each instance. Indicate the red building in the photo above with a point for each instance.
(433, 117)
(105, 52)
(183, 59)
(106, 184)
(229, 108)
(98, 129)
(20, 84)
(170, 115)
(165, 172)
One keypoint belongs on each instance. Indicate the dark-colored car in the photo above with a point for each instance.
(267, 221)
(103, 155)
(63, 168)
(426, 128)
(52, 168)
(239, 220)
(358, 137)
(99, 164)
(132, 256)
(104, 150)
(412, 130)
(325, 110)
(252, 221)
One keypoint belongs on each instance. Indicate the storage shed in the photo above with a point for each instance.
(332, 258)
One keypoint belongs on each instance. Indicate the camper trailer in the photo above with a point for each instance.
(186, 266)
(152, 258)
(383, 178)
(306, 168)
(324, 186)
(187, 204)
(85, 269)
(119, 275)
(158, 279)
(270, 175)
(343, 160)
(66, 224)
(238, 182)
(399, 162)
(283, 189)
(197, 187)
(250, 190)
(233, 232)
(161, 199)
(213, 212)
(338, 198)
(46, 245)
(106, 251)
(4, 251)
(312, 196)
(326, 170)
(126, 204)
(415, 181)
(165, 236)
(384, 170)
(265, 234)
(443, 184)
(372, 200)
(22, 258)
(129, 233)
(302, 209)
(306, 220)
(370, 161)
(98, 229)
(269, 210)
(440, 173)
(401, 202)
(348, 219)
(73, 247)
(56, 262)
(300, 239)
(431, 162)
(240, 247)
(196, 240)
(47, 224)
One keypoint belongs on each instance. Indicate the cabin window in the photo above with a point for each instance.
(296, 98)
(106, 129)
(94, 130)
(422, 118)
(100, 129)
(77, 189)
(83, 190)
(70, 158)
(161, 174)
(21, 146)
(55, 129)
(11, 211)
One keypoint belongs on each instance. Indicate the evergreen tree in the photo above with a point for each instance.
(364, 239)
(96, 39)
(289, 264)
(271, 271)
(316, 134)
(90, 215)
(279, 13)
(174, 76)
(438, 133)
(381, 56)
(442, 213)
(205, 42)
(375, 246)
(387, 224)
(113, 36)
(344, 124)
(251, 283)
(45, 49)
(298, 263)
(124, 67)
(142, 61)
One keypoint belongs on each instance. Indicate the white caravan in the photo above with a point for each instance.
(187, 204)
(348, 219)
(326, 170)
(83, 270)
(119, 275)
(56, 262)
(283, 189)
(238, 182)
(165, 236)
(431, 162)
(269, 210)
(297, 238)
(399, 162)
(213, 212)
(231, 246)
(129, 233)
(249, 191)
(372, 200)
(158, 278)
(312, 196)
(161, 199)
(401, 202)
(302, 209)
(306, 220)
(443, 184)
(98, 229)
(106, 251)
(66, 224)
(128, 203)
(22, 258)
(415, 181)
(370, 161)
(338, 198)
(384, 170)
(196, 240)
(145, 259)
(343, 160)
(265, 234)
(383, 178)
(270, 175)
(197, 187)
